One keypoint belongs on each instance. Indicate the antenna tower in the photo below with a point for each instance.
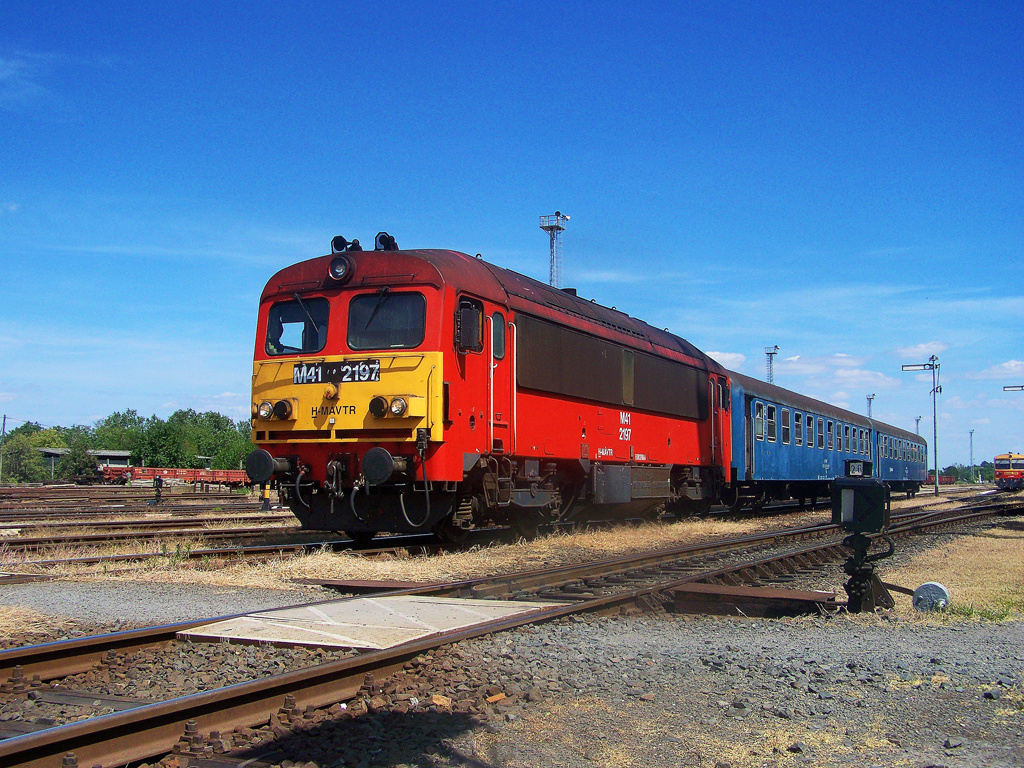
(770, 353)
(554, 225)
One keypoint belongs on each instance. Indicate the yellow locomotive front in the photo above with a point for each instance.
(347, 388)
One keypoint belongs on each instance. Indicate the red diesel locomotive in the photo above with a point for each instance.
(427, 390)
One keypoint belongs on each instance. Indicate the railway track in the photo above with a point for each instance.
(195, 723)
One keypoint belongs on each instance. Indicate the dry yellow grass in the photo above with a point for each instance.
(984, 572)
(559, 547)
(29, 626)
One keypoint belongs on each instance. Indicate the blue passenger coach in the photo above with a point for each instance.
(789, 446)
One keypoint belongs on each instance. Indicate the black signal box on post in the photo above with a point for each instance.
(860, 504)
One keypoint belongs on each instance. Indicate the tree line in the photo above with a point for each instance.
(177, 442)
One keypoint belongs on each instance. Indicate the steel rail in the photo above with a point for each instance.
(40, 542)
(152, 524)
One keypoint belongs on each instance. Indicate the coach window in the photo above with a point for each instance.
(860, 441)
(821, 434)
(785, 426)
(830, 436)
(846, 439)
(839, 437)
(759, 421)
(772, 433)
(798, 428)
(498, 335)
(810, 431)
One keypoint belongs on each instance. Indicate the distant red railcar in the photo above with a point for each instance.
(943, 479)
(123, 475)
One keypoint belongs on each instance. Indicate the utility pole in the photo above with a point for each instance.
(972, 456)
(870, 398)
(933, 366)
(3, 435)
(770, 353)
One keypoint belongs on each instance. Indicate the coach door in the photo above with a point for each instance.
(748, 437)
(501, 351)
(716, 421)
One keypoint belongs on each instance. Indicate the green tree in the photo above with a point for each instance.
(77, 462)
(120, 431)
(22, 461)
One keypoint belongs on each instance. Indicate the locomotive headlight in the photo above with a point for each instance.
(282, 409)
(341, 269)
(265, 410)
(378, 407)
(399, 406)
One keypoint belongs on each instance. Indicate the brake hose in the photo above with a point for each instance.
(298, 494)
(426, 492)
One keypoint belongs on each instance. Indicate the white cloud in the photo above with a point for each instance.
(731, 360)
(1013, 370)
(925, 350)
(860, 377)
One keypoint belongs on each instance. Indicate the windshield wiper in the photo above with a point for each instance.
(385, 292)
(304, 309)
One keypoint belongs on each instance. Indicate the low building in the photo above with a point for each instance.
(104, 458)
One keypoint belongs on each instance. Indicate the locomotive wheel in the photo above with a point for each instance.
(361, 538)
(526, 526)
(450, 533)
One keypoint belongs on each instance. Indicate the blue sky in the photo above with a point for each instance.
(845, 180)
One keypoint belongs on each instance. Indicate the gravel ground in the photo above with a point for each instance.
(657, 690)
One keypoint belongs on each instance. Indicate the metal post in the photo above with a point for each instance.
(935, 418)
(972, 456)
(3, 435)
(917, 425)
(870, 398)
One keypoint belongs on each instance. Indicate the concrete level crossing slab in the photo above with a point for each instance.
(365, 622)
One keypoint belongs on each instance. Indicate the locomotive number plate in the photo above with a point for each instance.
(345, 372)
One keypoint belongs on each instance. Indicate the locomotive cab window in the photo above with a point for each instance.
(297, 327)
(386, 320)
(498, 335)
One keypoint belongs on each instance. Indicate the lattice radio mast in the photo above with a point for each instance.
(770, 353)
(554, 225)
